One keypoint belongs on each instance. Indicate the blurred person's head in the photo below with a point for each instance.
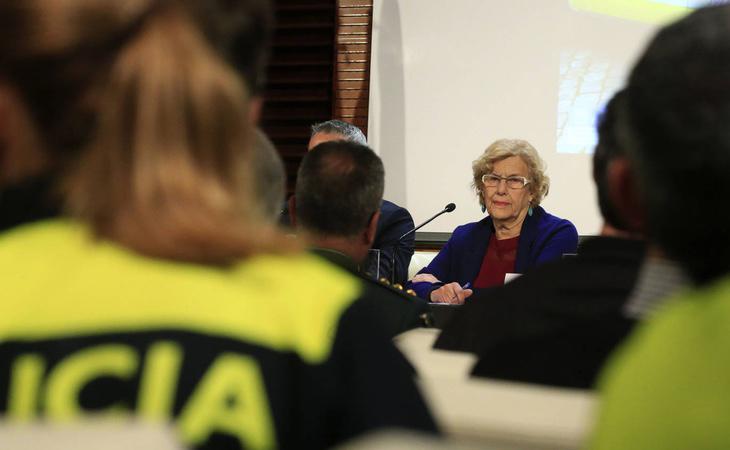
(270, 177)
(335, 130)
(145, 122)
(676, 131)
(242, 31)
(509, 178)
(609, 157)
(338, 195)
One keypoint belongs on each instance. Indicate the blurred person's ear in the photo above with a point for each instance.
(369, 234)
(256, 104)
(21, 155)
(625, 195)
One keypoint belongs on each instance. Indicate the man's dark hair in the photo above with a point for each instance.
(349, 131)
(678, 133)
(607, 149)
(339, 188)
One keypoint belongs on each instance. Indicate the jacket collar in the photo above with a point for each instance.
(337, 258)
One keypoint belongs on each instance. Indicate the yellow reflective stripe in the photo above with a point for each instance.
(57, 281)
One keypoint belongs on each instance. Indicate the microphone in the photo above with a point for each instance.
(447, 209)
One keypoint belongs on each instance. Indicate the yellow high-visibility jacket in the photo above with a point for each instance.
(275, 351)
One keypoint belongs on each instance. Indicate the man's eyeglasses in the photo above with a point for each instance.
(514, 182)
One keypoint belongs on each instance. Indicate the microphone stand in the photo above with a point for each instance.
(447, 209)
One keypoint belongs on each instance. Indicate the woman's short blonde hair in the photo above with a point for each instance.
(504, 148)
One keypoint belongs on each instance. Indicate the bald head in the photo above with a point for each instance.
(321, 138)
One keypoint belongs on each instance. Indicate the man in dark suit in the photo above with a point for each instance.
(557, 324)
(339, 191)
(391, 255)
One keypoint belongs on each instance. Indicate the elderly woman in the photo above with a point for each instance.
(510, 182)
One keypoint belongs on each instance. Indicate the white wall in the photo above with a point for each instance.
(448, 77)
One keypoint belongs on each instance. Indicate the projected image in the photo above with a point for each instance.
(586, 84)
(649, 11)
(688, 3)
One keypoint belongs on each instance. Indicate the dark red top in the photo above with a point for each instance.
(498, 261)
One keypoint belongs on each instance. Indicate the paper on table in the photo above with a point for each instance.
(511, 276)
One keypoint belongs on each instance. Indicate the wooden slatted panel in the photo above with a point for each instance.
(299, 77)
(319, 69)
(352, 61)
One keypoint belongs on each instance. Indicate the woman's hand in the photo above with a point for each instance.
(450, 293)
(425, 278)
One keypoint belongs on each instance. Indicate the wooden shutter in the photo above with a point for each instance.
(352, 68)
(319, 70)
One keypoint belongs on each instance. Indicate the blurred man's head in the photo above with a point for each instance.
(677, 134)
(338, 195)
(608, 159)
(335, 130)
(269, 176)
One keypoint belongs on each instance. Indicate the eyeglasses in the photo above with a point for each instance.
(514, 182)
